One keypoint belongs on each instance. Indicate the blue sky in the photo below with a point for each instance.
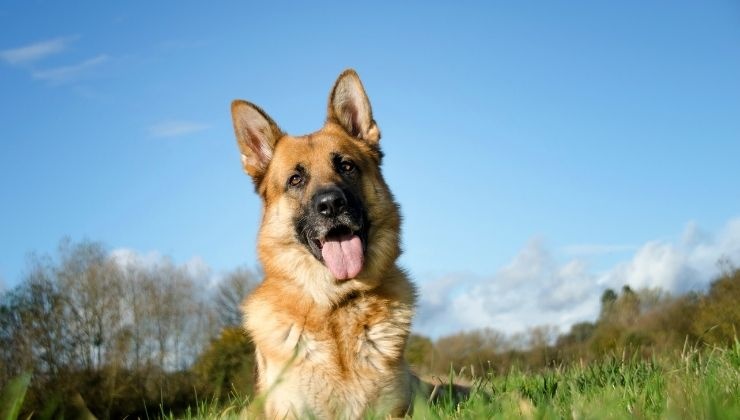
(549, 147)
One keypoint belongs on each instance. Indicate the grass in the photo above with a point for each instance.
(11, 397)
(695, 384)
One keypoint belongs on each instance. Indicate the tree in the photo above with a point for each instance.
(231, 293)
(227, 364)
(92, 289)
(93, 329)
(474, 350)
(718, 319)
(607, 302)
(420, 352)
(538, 344)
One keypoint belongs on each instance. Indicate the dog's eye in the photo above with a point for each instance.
(295, 180)
(347, 166)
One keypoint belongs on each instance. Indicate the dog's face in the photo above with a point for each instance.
(321, 178)
(328, 213)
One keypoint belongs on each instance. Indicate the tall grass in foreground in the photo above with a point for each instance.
(695, 384)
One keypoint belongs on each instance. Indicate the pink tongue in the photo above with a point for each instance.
(343, 256)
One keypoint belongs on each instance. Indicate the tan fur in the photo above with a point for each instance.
(325, 348)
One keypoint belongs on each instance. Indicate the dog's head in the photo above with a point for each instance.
(328, 214)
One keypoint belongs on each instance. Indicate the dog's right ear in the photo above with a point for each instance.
(256, 134)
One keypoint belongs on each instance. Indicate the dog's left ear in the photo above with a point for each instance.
(350, 108)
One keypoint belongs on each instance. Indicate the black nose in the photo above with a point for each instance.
(330, 202)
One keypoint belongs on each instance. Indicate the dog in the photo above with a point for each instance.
(331, 318)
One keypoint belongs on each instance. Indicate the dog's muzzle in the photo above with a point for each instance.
(336, 233)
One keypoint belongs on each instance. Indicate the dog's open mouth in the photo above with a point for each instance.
(342, 252)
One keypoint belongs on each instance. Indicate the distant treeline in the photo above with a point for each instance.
(121, 338)
(633, 323)
(126, 338)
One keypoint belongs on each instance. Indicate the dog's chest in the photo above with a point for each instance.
(363, 337)
(351, 356)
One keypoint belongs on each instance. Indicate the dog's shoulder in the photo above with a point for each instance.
(272, 313)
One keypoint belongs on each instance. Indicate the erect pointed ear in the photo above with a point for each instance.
(350, 108)
(256, 134)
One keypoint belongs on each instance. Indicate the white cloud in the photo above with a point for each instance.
(536, 289)
(678, 266)
(531, 290)
(37, 51)
(195, 267)
(65, 74)
(175, 128)
(587, 250)
(29, 55)
(199, 270)
(126, 257)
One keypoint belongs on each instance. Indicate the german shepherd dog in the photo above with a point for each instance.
(332, 316)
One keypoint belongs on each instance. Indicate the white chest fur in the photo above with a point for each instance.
(350, 362)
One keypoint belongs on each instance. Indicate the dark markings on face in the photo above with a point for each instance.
(298, 179)
(346, 168)
(311, 227)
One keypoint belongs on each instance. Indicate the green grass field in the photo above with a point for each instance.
(696, 385)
